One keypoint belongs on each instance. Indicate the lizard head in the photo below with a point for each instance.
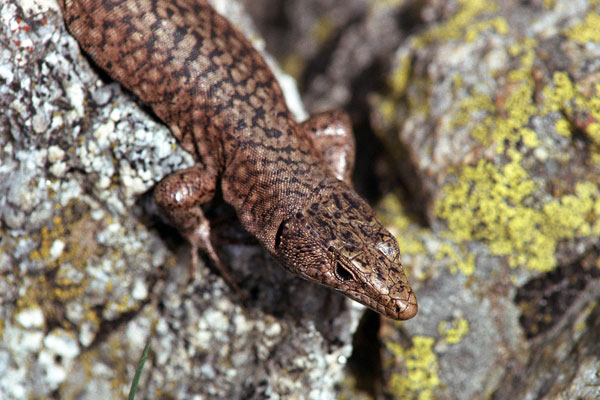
(337, 241)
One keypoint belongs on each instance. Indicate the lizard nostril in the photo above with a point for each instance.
(405, 309)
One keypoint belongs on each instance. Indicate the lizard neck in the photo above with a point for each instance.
(270, 175)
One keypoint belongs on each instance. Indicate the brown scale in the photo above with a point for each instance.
(289, 182)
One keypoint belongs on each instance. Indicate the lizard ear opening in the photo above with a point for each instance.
(279, 233)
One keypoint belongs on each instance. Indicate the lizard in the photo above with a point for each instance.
(289, 182)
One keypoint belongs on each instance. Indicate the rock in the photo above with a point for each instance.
(489, 111)
(491, 117)
(84, 264)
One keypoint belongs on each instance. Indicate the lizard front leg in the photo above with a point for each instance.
(179, 198)
(331, 133)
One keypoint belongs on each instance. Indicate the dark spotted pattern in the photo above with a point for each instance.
(287, 181)
(336, 240)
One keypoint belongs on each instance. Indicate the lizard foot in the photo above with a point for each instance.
(200, 240)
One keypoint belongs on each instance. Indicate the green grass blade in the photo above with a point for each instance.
(138, 373)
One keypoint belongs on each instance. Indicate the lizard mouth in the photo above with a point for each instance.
(401, 305)
(398, 308)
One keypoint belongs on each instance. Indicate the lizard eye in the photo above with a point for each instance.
(343, 273)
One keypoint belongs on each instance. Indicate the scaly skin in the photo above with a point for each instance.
(288, 181)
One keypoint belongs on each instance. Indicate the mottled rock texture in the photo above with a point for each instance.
(489, 113)
(89, 276)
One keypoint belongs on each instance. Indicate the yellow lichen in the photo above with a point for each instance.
(518, 109)
(454, 331)
(529, 137)
(75, 230)
(497, 23)
(526, 51)
(593, 132)
(495, 201)
(457, 26)
(386, 108)
(593, 102)
(563, 127)
(559, 96)
(421, 363)
(505, 120)
(481, 131)
(487, 203)
(494, 204)
(66, 245)
(400, 76)
(586, 31)
(570, 99)
(478, 102)
(457, 82)
(465, 266)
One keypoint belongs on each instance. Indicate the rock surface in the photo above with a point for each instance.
(490, 113)
(87, 278)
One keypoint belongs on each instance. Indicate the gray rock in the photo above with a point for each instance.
(489, 112)
(87, 279)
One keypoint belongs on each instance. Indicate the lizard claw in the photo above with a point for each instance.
(200, 239)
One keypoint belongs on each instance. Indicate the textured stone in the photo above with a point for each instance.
(77, 156)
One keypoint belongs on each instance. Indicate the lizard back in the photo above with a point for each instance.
(203, 78)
